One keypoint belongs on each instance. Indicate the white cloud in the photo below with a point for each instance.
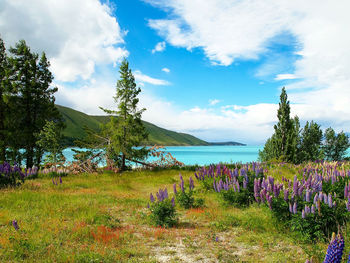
(246, 29)
(285, 76)
(166, 70)
(76, 35)
(213, 102)
(160, 47)
(139, 76)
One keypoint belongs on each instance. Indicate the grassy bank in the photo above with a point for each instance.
(104, 218)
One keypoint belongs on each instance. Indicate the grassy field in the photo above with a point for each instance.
(104, 218)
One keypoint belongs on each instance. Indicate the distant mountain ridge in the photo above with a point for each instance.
(76, 120)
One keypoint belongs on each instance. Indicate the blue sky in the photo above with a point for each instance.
(214, 70)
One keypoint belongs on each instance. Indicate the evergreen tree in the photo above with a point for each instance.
(283, 143)
(311, 140)
(335, 146)
(33, 100)
(125, 129)
(3, 85)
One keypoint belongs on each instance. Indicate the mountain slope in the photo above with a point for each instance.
(76, 120)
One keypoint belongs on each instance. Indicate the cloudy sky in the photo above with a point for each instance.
(211, 68)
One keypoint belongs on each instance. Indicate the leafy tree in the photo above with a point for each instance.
(283, 143)
(125, 129)
(335, 146)
(311, 140)
(49, 140)
(32, 100)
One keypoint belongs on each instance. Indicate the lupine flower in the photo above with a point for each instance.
(174, 187)
(307, 195)
(173, 201)
(151, 198)
(15, 224)
(285, 194)
(60, 180)
(191, 186)
(295, 208)
(303, 214)
(330, 202)
(335, 250)
(312, 209)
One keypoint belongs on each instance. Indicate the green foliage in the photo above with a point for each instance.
(282, 145)
(335, 146)
(125, 130)
(29, 103)
(49, 140)
(290, 144)
(163, 213)
(310, 146)
(238, 199)
(187, 200)
(3, 106)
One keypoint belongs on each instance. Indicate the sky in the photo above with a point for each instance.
(213, 68)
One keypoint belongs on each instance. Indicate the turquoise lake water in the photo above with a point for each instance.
(203, 155)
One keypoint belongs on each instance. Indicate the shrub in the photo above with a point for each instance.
(186, 199)
(10, 175)
(163, 209)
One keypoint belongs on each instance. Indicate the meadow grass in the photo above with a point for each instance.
(104, 218)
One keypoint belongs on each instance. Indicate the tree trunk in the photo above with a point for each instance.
(123, 163)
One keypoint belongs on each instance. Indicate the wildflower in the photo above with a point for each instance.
(15, 224)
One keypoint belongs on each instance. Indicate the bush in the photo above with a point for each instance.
(238, 199)
(10, 175)
(186, 199)
(163, 209)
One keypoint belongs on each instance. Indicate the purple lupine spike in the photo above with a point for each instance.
(15, 224)
(346, 191)
(325, 198)
(295, 184)
(285, 194)
(60, 180)
(315, 198)
(313, 209)
(295, 208)
(173, 201)
(303, 214)
(307, 195)
(191, 184)
(165, 193)
(237, 184)
(182, 187)
(174, 187)
(244, 183)
(330, 201)
(290, 208)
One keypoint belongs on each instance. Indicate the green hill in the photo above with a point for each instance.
(76, 120)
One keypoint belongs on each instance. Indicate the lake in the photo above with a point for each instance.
(203, 155)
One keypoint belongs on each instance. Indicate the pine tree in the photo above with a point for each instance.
(125, 128)
(33, 100)
(3, 85)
